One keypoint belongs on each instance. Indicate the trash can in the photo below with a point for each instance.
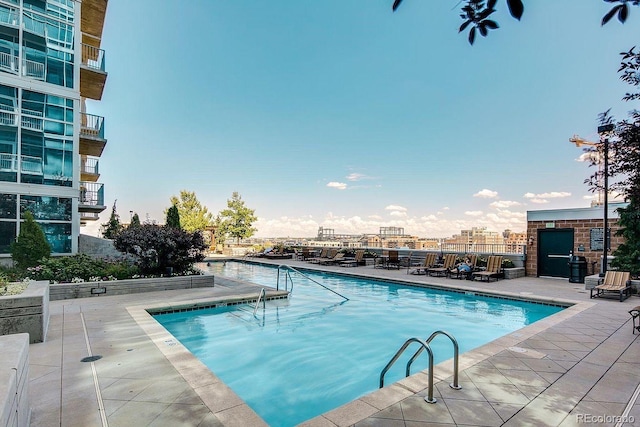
(577, 269)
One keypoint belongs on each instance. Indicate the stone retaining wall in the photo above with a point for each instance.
(27, 312)
(119, 287)
(15, 407)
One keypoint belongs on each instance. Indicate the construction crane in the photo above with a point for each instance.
(579, 142)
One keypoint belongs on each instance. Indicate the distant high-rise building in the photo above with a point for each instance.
(50, 63)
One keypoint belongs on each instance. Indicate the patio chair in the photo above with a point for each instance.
(316, 260)
(393, 261)
(617, 282)
(339, 256)
(429, 262)
(447, 264)
(462, 274)
(494, 269)
(355, 261)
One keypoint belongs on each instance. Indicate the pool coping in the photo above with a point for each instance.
(231, 407)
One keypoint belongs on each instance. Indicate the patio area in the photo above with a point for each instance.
(579, 366)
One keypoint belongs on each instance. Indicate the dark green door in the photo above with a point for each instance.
(554, 246)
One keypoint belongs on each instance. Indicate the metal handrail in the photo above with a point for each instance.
(288, 267)
(454, 384)
(423, 346)
(261, 296)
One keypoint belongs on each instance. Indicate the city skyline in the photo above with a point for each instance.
(351, 117)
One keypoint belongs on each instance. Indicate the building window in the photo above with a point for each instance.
(7, 236)
(46, 208)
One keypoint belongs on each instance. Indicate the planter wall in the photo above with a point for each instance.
(120, 287)
(15, 408)
(27, 312)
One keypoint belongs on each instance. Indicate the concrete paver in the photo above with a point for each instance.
(581, 362)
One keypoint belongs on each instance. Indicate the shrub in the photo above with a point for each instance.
(31, 244)
(81, 267)
(158, 248)
(507, 263)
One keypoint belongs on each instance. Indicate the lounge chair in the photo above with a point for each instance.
(393, 260)
(447, 264)
(617, 282)
(323, 255)
(494, 269)
(338, 257)
(328, 255)
(355, 261)
(429, 262)
(461, 274)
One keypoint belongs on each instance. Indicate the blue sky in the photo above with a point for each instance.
(345, 115)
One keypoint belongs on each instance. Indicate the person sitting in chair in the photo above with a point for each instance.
(462, 267)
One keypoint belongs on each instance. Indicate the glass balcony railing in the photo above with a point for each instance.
(93, 57)
(91, 194)
(91, 126)
(89, 165)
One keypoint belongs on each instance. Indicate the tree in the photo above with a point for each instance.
(193, 216)
(135, 221)
(173, 217)
(236, 221)
(31, 244)
(624, 167)
(112, 227)
(475, 14)
(158, 248)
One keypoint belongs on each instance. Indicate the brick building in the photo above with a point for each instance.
(552, 235)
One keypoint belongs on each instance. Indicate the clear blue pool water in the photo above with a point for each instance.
(309, 354)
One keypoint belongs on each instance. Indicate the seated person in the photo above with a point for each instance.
(462, 267)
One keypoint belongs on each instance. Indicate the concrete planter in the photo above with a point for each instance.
(27, 312)
(131, 286)
(15, 407)
(513, 273)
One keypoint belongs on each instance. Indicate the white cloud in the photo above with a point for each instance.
(486, 194)
(398, 214)
(539, 201)
(446, 208)
(357, 177)
(473, 213)
(551, 195)
(338, 185)
(504, 204)
(396, 208)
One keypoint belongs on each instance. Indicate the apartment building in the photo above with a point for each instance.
(50, 64)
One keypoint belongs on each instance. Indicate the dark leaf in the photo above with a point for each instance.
(623, 12)
(516, 8)
(491, 4)
(483, 29)
(606, 18)
(464, 26)
(491, 24)
(472, 35)
(396, 3)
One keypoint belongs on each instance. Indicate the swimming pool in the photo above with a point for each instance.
(309, 354)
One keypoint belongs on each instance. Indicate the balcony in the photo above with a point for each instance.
(28, 164)
(92, 140)
(92, 72)
(32, 69)
(92, 17)
(88, 216)
(91, 197)
(89, 169)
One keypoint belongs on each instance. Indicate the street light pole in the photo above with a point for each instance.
(605, 238)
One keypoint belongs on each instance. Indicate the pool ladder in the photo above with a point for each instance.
(261, 297)
(287, 278)
(424, 345)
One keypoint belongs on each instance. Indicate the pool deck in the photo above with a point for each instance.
(580, 366)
